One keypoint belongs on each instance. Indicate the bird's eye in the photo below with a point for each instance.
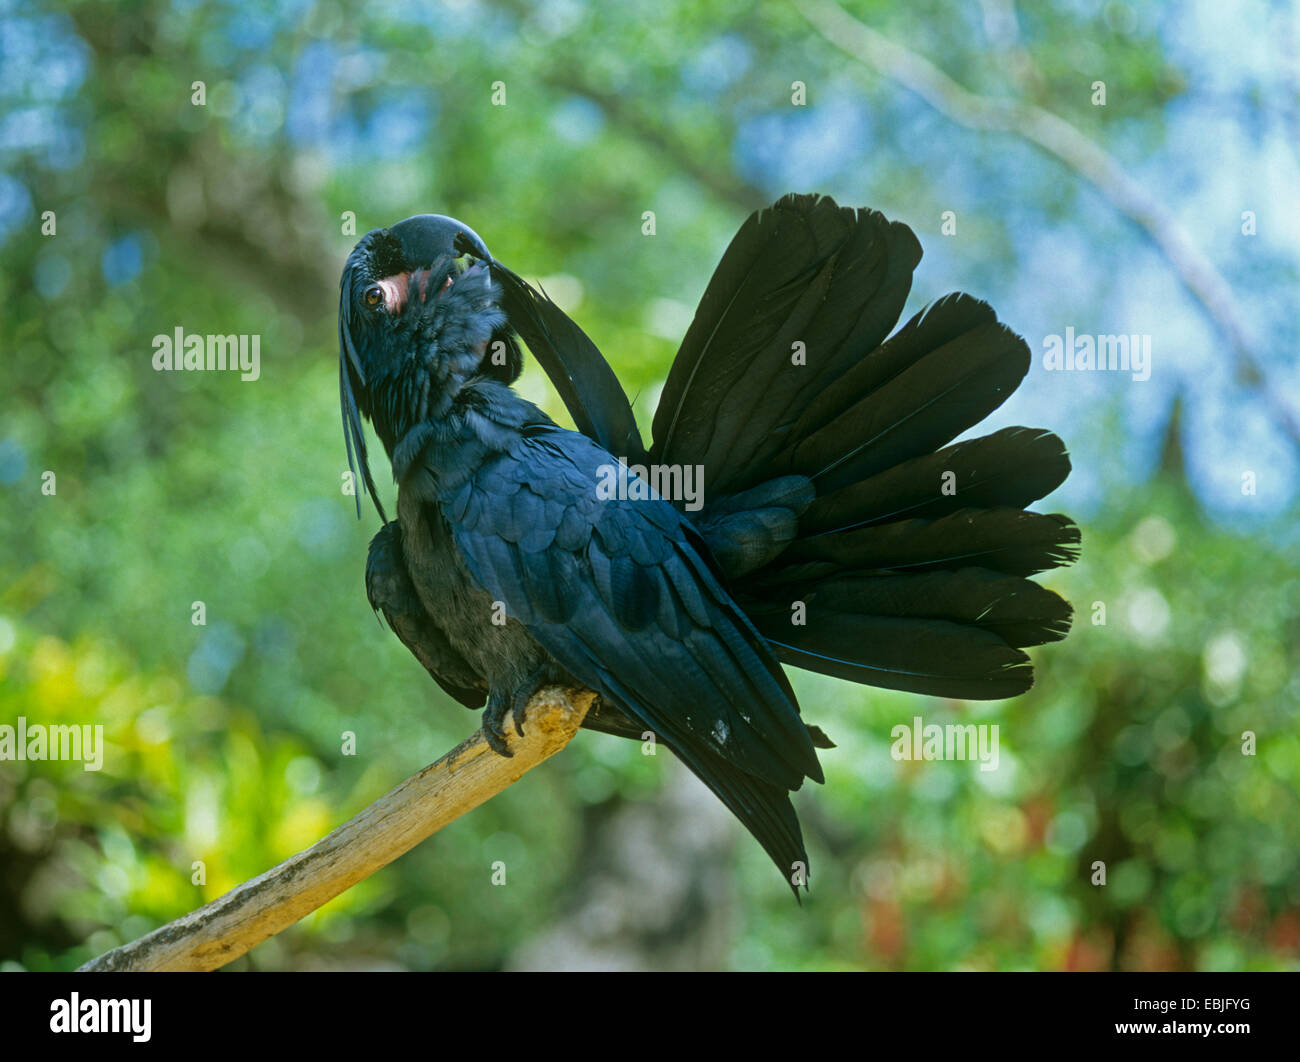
(374, 295)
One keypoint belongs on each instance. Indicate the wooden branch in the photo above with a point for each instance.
(464, 778)
(1053, 134)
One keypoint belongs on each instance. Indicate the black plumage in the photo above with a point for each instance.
(830, 484)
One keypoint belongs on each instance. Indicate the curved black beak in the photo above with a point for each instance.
(427, 237)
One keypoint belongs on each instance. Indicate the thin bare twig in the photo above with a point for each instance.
(1055, 135)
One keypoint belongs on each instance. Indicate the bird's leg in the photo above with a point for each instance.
(512, 703)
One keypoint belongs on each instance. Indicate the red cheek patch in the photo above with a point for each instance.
(395, 289)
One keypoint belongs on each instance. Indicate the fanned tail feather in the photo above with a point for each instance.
(910, 560)
(828, 455)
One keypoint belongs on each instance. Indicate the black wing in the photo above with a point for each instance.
(619, 593)
(390, 590)
(586, 383)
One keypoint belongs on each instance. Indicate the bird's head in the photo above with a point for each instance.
(413, 324)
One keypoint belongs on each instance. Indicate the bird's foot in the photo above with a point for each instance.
(502, 705)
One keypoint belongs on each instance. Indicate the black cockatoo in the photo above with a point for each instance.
(840, 531)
